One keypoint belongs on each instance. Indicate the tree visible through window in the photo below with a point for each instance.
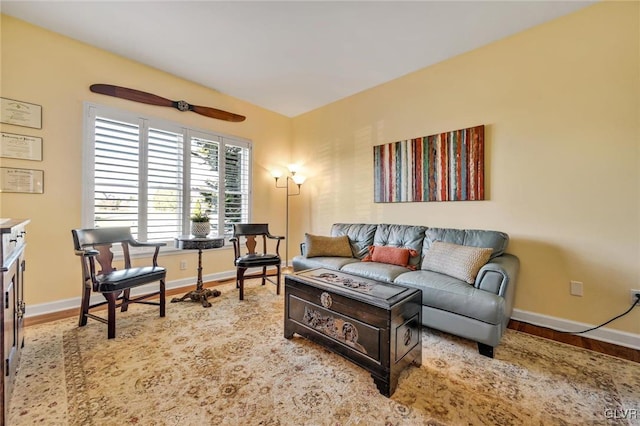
(149, 175)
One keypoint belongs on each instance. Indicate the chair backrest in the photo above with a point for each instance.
(102, 239)
(250, 231)
(242, 229)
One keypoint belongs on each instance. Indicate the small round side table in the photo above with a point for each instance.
(189, 242)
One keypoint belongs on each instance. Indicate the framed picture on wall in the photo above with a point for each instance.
(21, 180)
(22, 147)
(20, 113)
(447, 166)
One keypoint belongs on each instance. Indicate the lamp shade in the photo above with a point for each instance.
(294, 168)
(299, 180)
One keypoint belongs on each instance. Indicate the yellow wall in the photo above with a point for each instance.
(45, 68)
(561, 105)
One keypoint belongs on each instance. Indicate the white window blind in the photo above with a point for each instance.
(149, 175)
(236, 188)
(205, 178)
(116, 173)
(164, 183)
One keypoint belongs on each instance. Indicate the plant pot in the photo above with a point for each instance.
(200, 229)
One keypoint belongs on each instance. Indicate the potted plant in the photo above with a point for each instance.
(200, 226)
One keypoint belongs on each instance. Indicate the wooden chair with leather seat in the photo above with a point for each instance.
(94, 248)
(245, 235)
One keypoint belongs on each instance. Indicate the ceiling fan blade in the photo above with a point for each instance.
(217, 113)
(130, 94)
(151, 99)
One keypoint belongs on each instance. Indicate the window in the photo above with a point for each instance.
(150, 175)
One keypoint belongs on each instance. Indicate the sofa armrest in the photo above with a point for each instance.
(303, 249)
(498, 275)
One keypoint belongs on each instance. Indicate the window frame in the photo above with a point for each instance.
(92, 110)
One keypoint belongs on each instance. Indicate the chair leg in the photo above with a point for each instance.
(240, 281)
(264, 275)
(162, 298)
(278, 281)
(111, 314)
(84, 307)
(125, 300)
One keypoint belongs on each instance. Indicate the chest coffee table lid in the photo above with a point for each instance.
(374, 292)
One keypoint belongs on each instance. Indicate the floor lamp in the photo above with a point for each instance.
(298, 180)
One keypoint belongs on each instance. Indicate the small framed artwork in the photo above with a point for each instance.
(22, 147)
(20, 113)
(21, 180)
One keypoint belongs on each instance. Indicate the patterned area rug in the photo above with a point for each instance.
(230, 365)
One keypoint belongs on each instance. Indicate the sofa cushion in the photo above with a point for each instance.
(496, 240)
(317, 245)
(402, 236)
(391, 255)
(458, 261)
(360, 236)
(335, 263)
(449, 294)
(376, 271)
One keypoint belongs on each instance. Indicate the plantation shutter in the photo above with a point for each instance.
(164, 182)
(116, 174)
(149, 175)
(205, 178)
(232, 198)
(236, 188)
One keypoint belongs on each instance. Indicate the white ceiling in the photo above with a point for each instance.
(292, 56)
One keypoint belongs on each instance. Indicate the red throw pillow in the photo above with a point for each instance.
(391, 255)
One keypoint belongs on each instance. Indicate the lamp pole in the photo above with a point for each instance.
(286, 230)
(297, 180)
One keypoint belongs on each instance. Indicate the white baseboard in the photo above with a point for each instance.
(621, 338)
(74, 303)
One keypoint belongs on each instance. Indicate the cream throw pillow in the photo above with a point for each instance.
(462, 262)
(317, 245)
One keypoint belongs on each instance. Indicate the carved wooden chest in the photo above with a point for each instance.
(374, 324)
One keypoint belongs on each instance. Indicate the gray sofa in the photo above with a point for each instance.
(478, 311)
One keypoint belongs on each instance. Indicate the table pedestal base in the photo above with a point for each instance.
(198, 295)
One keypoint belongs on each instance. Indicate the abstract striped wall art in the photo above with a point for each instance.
(444, 167)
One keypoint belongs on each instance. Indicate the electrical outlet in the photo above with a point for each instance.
(576, 288)
(183, 265)
(634, 295)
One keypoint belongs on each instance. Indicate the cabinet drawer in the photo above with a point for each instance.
(12, 239)
(346, 330)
